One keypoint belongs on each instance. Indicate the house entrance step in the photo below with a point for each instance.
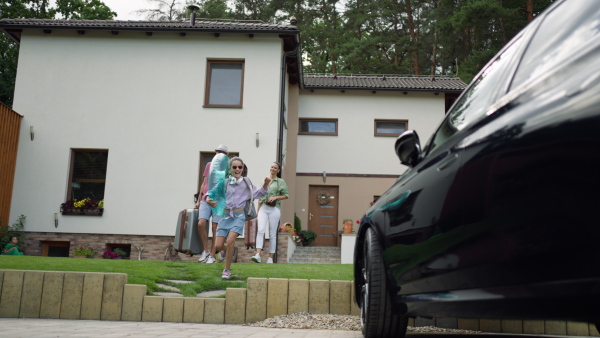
(316, 255)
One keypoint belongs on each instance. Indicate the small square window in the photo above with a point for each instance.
(318, 127)
(88, 174)
(224, 84)
(390, 127)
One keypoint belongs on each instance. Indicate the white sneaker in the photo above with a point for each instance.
(256, 258)
(210, 260)
(222, 256)
(204, 256)
(270, 260)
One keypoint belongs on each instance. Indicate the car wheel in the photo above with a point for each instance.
(376, 313)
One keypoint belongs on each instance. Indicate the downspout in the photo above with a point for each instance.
(282, 114)
(282, 97)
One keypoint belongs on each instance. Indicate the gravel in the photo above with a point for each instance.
(305, 320)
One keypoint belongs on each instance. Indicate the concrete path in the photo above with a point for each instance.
(24, 327)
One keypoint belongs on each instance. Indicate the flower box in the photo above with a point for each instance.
(82, 211)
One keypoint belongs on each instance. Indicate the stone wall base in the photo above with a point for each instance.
(143, 247)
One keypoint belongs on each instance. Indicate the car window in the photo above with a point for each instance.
(564, 32)
(473, 104)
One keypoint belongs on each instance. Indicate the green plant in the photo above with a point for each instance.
(84, 250)
(6, 233)
(120, 252)
(297, 224)
(347, 220)
(308, 236)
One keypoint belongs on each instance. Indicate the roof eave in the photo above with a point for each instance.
(433, 90)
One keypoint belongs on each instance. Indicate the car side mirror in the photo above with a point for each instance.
(408, 148)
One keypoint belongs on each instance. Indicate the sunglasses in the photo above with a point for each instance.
(237, 167)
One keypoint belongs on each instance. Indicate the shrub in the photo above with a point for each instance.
(308, 236)
(297, 224)
(120, 252)
(84, 250)
(109, 255)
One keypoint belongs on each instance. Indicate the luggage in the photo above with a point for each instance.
(186, 235)
(250, 234)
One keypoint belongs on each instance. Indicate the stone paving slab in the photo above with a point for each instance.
(26, 327)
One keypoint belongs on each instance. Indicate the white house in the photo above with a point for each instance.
(130, 112)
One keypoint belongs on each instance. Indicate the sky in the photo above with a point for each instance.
(125, 8)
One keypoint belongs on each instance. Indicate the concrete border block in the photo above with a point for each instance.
(70, 305)
(490, 325)
(277, 297)
(533, 326)
(91, 298)
(318, 296)
(152, 309)
(511, 325)
(12, 287)
(354, 309)
(133, 302)
(468, 324)
(112, 296)
(52, 294)
(193, 310)
(214, 310)
(578, 329)
(31, 298)
(555, 327)
(235, 306)
(340, 298)
(256, 300)
(172, 309)
(297, 295)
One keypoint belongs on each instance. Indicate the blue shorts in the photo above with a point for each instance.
(231, 224)
(204, 212)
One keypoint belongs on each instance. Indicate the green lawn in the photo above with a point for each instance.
(206, 277)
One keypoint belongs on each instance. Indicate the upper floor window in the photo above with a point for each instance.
(390, 127)
(318, 127)
(87, 176)
(224, 84)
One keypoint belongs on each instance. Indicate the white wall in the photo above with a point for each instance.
(355, 150)
(141, 98)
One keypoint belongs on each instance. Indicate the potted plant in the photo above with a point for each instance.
(308, 236)
(296, 238)
(84, 251)
(86, 206)
(347, 225)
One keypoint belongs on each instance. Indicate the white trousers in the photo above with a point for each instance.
(271, 215)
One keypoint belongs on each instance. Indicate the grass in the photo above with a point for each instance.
(206, 277)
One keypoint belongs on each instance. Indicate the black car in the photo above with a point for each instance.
(498, 215)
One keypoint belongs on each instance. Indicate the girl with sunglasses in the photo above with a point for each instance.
(236, 192)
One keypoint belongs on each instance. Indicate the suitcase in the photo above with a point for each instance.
(250, 234)
(186, 235)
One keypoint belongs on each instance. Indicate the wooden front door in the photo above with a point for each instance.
(323, 214)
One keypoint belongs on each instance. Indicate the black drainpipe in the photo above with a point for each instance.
(281, 118)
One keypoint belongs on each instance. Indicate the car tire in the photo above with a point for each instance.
(376, 313)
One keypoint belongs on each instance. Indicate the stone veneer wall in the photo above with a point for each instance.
(154, 247)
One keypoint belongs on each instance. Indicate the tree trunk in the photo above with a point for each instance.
(529, 10)
(411, 26)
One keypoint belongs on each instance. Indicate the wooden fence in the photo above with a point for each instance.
(10, 124)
